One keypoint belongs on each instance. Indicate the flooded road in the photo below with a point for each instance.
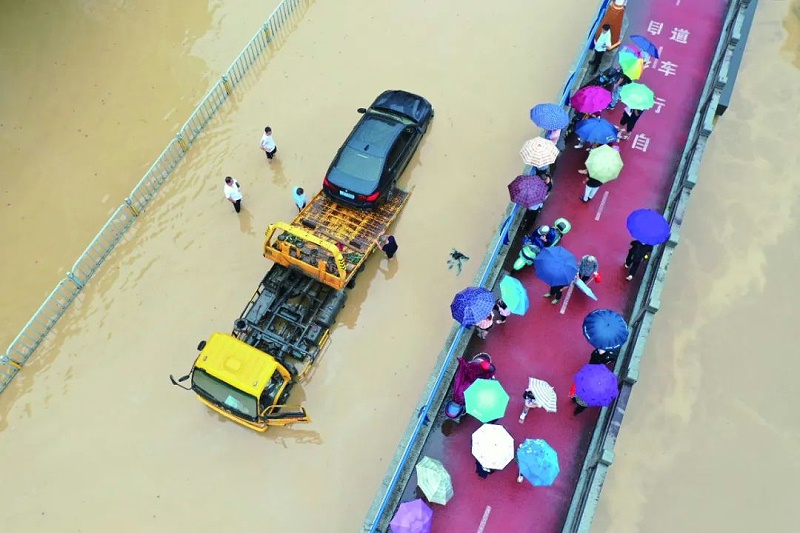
(108, 443)
(711, 440)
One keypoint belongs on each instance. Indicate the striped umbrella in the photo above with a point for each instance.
(434, 480)
(544, 393)
(539, 152)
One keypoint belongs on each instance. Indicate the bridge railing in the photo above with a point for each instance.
(269, 36)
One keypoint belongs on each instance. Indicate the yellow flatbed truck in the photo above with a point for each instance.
(247, 375)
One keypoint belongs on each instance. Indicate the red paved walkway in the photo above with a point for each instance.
(548, 344)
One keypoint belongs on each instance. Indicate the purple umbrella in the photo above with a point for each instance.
(590, 99)
(412, 517)
(472, 305)
(644, 43)
(648, 226)
(596, 385)
(549, 116)
(527, 191)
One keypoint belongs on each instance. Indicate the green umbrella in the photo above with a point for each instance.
(604, 163)
(637, 96)
(486, 400)
(434, 480)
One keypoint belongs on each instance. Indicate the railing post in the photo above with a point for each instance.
(134, 211)
(7, 360)
(227, 84)
(267, 32)
(182, 142)
(74, 279)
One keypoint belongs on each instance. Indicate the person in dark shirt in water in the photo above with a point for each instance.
(388, 244)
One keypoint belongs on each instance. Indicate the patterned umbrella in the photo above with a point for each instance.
(596, 385)
(412, 517)
(434, 480)
(527, 191)
(648, 226)
(631, 63)
(637, 96)
(549, 116)
(544, 393)
(472, 305)
(493, 446)
(538, 462)
(556, 266)
(486, 400)
(605, 329)
(591, 99)
(539, 152)
(604, 163)
(596, 130)
(514, 295)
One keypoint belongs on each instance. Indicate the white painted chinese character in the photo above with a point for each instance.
(679, 35)
(650, 61)
(640, 142)
(659, 103)
(668, 68)
(654, 28)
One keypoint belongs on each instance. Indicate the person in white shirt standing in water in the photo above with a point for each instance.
(233, 192)
(601, 44)
(268, 143)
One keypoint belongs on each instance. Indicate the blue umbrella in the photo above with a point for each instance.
(556, 266)
(549, 116)
(538, 462)
(596, 130)
(472, 305)
(644, 43)
(514, 295)
(605, 329)
(648, 226)
(596, 385)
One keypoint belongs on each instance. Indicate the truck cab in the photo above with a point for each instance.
(242, 384)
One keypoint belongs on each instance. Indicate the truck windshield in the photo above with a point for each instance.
(224, 395)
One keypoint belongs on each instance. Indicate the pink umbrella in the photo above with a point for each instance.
(591, 99)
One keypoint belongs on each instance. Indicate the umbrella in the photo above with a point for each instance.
(412, 517)
(539, 152)
(538, 462)
(637, 96)
(514, 295)
(648, 226)
(549, 116)
(434, 480)
(585, 289)
(493, 446)
(631, 64)
(596, 130)
(604, 163)
(645, 44)
(556, 266)
(605, 329)
(486, 400)
(596, 385)
(527, 190)
(472, 305)
(544, 393)
(590, 99)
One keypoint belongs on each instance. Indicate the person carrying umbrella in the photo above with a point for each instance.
(588, 268)
(603, 357)
(482, 328)
(591, 187)
(637, 253)
(502, 310)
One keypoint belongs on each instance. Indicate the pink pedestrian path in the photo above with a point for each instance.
(547, 342)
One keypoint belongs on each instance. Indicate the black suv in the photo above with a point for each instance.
(378, 149)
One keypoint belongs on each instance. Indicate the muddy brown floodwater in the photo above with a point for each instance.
(93, 435)
(711, 438)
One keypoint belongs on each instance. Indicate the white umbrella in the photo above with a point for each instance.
(539, 152)
(544, 393)
(493, 446)
(585, 289)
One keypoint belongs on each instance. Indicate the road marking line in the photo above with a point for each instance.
(485, 518)
(602, 206)
(566, 299)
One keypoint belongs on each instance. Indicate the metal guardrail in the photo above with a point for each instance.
(269, 36)
(600, 454)
(388, 498)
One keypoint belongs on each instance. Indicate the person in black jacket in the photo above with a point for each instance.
(637, 253)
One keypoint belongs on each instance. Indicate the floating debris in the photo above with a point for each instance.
(456, 260)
